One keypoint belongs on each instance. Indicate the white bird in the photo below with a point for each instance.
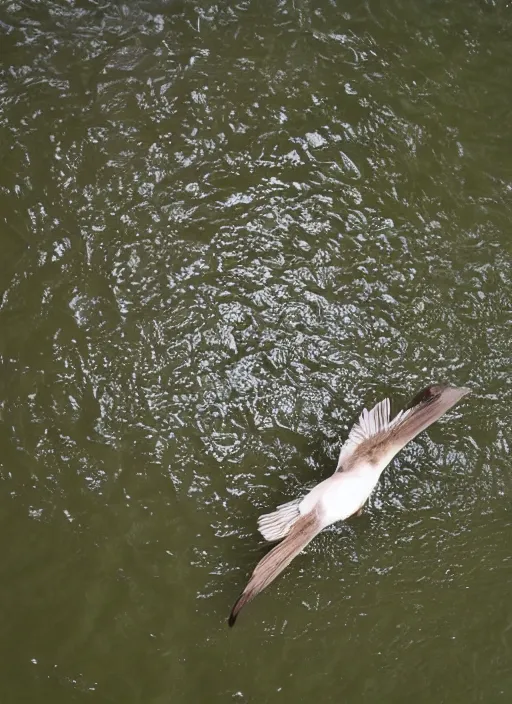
(371, 445)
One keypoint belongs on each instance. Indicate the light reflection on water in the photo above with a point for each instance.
(226, 230)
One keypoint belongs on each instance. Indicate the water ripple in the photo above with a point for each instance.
(226, 231)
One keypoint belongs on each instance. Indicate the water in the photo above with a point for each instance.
(225, 229)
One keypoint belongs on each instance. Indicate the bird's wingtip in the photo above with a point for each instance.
(234, 612)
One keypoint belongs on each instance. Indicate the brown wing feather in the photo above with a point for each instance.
(274, 562)
(426, 408)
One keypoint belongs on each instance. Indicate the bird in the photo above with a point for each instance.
(372, 443)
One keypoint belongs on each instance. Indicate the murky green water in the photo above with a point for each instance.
(225, 228)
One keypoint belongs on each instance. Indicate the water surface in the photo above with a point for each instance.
(225, 229)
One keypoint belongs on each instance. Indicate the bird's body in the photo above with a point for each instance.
(341, 495)
(370, 447)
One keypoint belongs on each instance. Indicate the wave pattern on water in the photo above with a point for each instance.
(226, 230)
